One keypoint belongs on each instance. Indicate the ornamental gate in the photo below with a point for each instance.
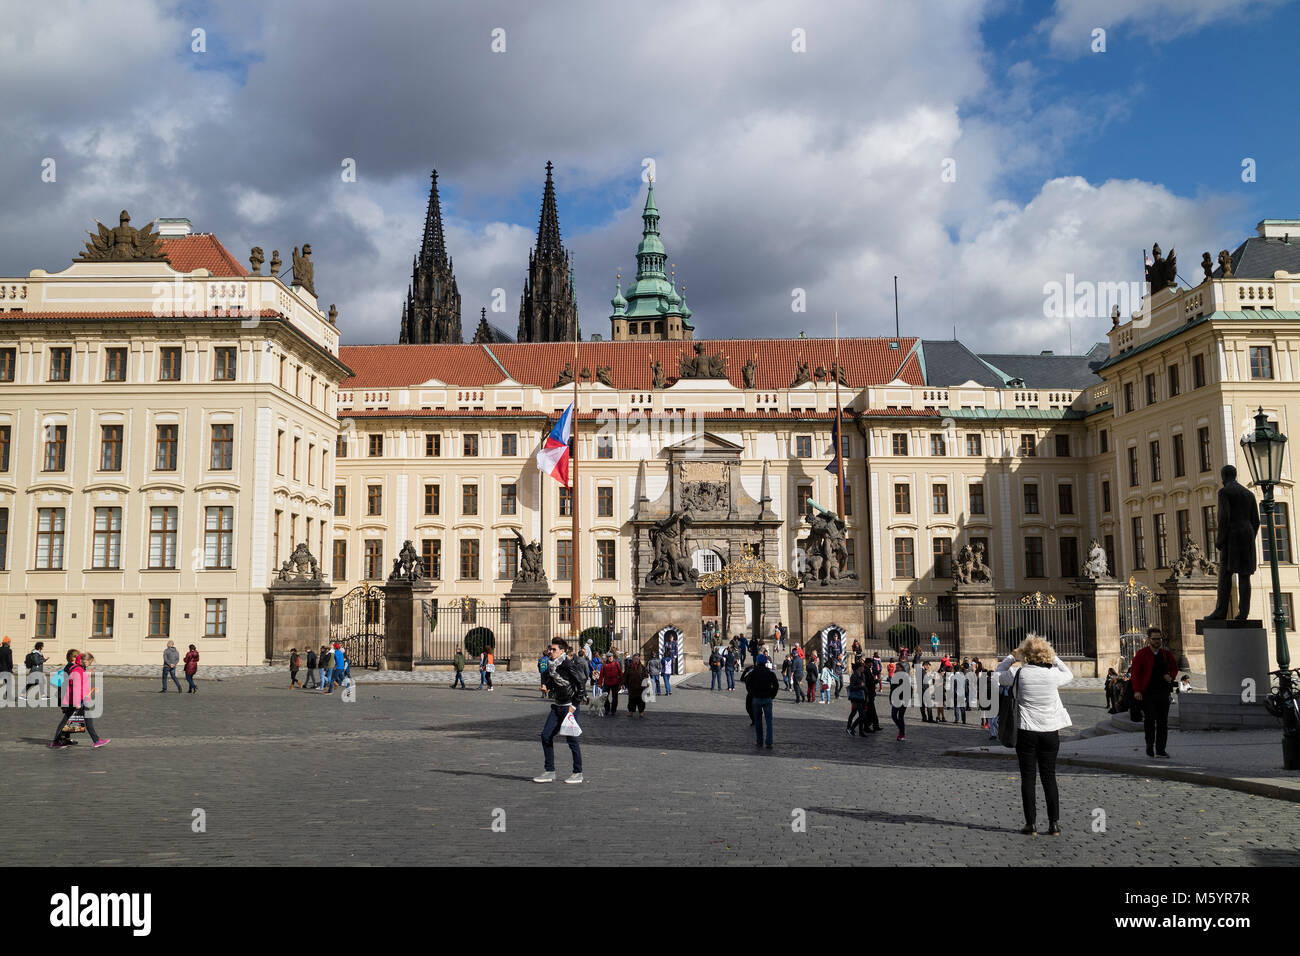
(912, 622)
(1060, 622)
(357, 623)
(468, 624)
(1139, 609)
(608, 625)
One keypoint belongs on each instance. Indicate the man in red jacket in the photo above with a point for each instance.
(611, 678)
(1153, 674)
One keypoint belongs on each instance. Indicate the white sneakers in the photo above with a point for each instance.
(548, 776)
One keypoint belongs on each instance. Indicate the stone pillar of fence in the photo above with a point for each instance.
(403, 622)
(1190, 599)
(1099, 599)
(976, 630)
(530, 622)
(841, 604)
(297, 607)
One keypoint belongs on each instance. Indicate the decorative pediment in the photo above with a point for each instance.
(707, 444)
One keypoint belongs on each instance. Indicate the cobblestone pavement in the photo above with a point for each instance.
(421, 774)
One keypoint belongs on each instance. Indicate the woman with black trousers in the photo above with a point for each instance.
(1037, 674)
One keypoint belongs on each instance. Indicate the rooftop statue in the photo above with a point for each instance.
(122, 244)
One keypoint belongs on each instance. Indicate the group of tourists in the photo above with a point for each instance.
(325, 668)
(172, 658)
(487, 666)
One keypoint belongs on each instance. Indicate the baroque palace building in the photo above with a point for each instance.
(157, 467)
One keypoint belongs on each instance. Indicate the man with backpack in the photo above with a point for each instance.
(762, 686)
(311, 671)
(35, 664)
(566, 679)
(715, 670)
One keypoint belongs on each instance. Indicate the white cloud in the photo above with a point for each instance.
(1072, 21)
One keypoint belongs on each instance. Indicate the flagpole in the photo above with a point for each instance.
(574, 588)
(839, 426)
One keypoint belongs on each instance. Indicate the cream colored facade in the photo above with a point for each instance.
(931, 465)
(143, 407)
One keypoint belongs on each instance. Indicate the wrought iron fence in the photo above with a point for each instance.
(1058, 621)
(1139, 608)
(357, 623)
(911, 623)
(607, 624)
(467, 624)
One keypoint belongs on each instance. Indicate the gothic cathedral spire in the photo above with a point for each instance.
(548, 309)
(432, 310)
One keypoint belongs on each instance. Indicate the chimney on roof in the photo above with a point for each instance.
(168, 228)
(1277, 228)
(595, 337)
(1045, 352)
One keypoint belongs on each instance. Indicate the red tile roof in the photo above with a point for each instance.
(201, 251)
(396, 366)
(865, 361)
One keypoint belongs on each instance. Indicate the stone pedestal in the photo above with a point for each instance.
(1190, 599)
(404, 623)
(297, 615)
(976, 624)
(530, 622)
(680, 607)
(1236, 678)
(844, 605)
(1099, 600)
(1235, 651)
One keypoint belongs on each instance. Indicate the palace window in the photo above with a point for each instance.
(469, 499)
(977, 498)
(224, 363)
(563, 560)
(432, 445)
(469, 445)
(507, 559)
(1261, 361)
(340, 501)
(1155, 461)
(1203, 446)
(431, 553)
(1031, 499)
(433, 499)
(169, 364)
(160, 617)
(1151, 389)
(1173, 381)
(115, 365)
(162, 537)
(376, 446)
(904, 558)
(943, 559)
(509, 445)
(1281, 525)
(374, 499)
(900, 443)
(1034, 558)
(47, 617)
(214, 617)
(339, 559)
(165, 453)
(223, 447)
(60, 365)
(107, 548)
(803, 446)
(1139, 546)
(510, 498)
(219, 537)
(605, 502)
(49, 538)
(1132, 466)
(902, 499)
(56, 444)
(974, 446)
(1062, 446)
(1198, 371)
(938, 446)
(374, 557)
(1069, 557)
(1162, 541)
(1180, 466)
(1065, 499)
(101, 619)
(1028, 446)
(605, 563)
(939, 499)
(110, 448)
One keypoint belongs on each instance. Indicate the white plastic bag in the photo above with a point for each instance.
(570, 728)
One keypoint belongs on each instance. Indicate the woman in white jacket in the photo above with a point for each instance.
(1037, 674)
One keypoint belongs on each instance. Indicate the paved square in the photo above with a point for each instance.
(419, 774)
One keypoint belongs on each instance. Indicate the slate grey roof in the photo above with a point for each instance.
(946, 363)
(1259, 258)
(1051, 371)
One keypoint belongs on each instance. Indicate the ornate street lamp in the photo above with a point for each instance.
(1264, 449)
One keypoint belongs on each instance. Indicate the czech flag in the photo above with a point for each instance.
(553, 457)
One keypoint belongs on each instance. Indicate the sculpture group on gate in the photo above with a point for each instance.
(969, 568)
(824, 552)
(407, 566)
(531, 570)
(1193, 563)
(670, 564)
(300, 566)
(1095, 566)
